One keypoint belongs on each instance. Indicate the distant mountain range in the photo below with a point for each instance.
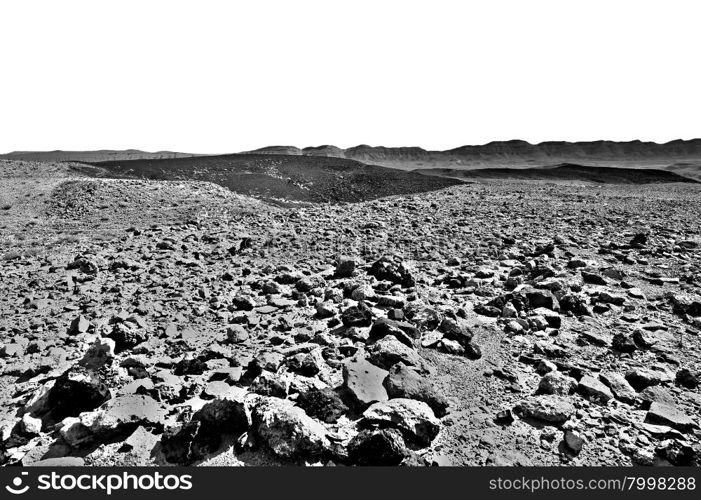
(507, 152)
(509, 149)
(680, 156)
(92, 156)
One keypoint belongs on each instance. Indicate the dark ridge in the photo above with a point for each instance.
(288, 177)
(564, 172)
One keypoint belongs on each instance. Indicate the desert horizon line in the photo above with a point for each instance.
(365, 145)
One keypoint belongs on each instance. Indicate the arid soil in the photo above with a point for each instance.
(495, 323)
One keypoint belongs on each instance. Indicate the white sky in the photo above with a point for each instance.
(224, 76)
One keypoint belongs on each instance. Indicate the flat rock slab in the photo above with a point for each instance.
(363, 382)
(669, 415)
(619, 386)
(594, 390)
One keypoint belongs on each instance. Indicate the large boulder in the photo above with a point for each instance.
(640, 378)
(422, 316)
(414, 419)
(389, 351)
(202, 435)
(309, 283)
(75, 391)
(128, 335)
(379, 447)
(323, 404)
(386, 269)
(384, 327)
(405, 382)
(225, 414)
(100, 353)
(287, 430)
(542, 298)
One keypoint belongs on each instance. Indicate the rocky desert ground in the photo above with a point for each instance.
(153, 322)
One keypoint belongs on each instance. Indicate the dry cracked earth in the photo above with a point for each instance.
(498, 323)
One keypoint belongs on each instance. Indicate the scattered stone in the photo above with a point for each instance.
(79, 325)
(619, 386)
(31, 425)
(611, 298)
(556, 383)
(504, 417)
(688, 379)
(624, 343)
(236, 334)
(547, 408)
(640, 378)
(574, 441)
(359, 315)
(345, 267)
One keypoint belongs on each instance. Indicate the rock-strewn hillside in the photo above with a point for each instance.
(479, 324)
